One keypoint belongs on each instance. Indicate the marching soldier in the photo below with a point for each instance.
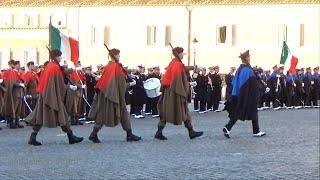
(74, 98)
(148, 100)
(315, 87)
(243, 103)
(275, 88)
(31, 80)
(228, 80)
(50, 110)
(13, 95)
(173, 103)
(109, 105)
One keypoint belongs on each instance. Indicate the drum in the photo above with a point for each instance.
(152, 87)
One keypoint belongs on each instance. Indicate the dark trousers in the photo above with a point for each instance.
(148, 105)
(200, 97)
(314, 98)
(65, 129)
(255, 124)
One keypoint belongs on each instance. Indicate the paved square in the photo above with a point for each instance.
(289, 151)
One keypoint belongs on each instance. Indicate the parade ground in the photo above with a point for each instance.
(289, 151)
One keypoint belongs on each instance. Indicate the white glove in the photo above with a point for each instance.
(132, 83)
(302, 84)
(267, 90)
(278, 75)
(28, 96)
(79, 68)
(83, 86)
(277, 90)
(1, 81)
(312, 82)
(72, 87)
(193, 84)
(21, 85)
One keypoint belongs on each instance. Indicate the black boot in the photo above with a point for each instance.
(33, 139)
(132, 137)
(18, 125)
(194, 134)
(74, 139)
(94, 136)
(10, 124)
(159, 134)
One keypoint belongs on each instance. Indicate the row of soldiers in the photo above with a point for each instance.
(18, 90)
(301, 89)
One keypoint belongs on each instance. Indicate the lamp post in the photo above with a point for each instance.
(194, 41)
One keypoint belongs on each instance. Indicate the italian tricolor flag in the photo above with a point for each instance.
(288, 60)
(68, 46)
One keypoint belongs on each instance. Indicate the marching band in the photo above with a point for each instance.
(102, 96)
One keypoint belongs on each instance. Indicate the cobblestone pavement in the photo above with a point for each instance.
(289, 151)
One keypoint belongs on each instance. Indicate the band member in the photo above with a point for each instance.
(307, 79)
(315, 87)
(91, 81)
(173, 103)
(12, 97)
(31, 80)
(151, 103)
(200, 91)
(138, 93)
(50, 110)
(228, 80)
(148, 101)
(74, 98)
(243, 103)
(215, 95)
(109, 105)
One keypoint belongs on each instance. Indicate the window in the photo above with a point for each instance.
(6, 20)
(168, 35)
(151, 35)
(28, 55)
(301, 34)
(234, 35)
(93, 35)
(222, 34)
(59, 19)
(226, 34)
(107, 35)
(4, 57)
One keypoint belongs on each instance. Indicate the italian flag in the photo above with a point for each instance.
(67, 45)
(288, 60)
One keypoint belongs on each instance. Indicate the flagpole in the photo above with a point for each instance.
(49, 45)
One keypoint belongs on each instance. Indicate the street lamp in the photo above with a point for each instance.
(194, 41)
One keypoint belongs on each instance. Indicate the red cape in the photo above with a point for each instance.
(11, 75)
(112, 70)
(174, 69)
(51, 70)
(29, 76)
(76, 77)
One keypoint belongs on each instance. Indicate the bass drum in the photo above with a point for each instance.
(152, 87)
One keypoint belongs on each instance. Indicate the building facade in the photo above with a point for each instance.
(143, 29)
